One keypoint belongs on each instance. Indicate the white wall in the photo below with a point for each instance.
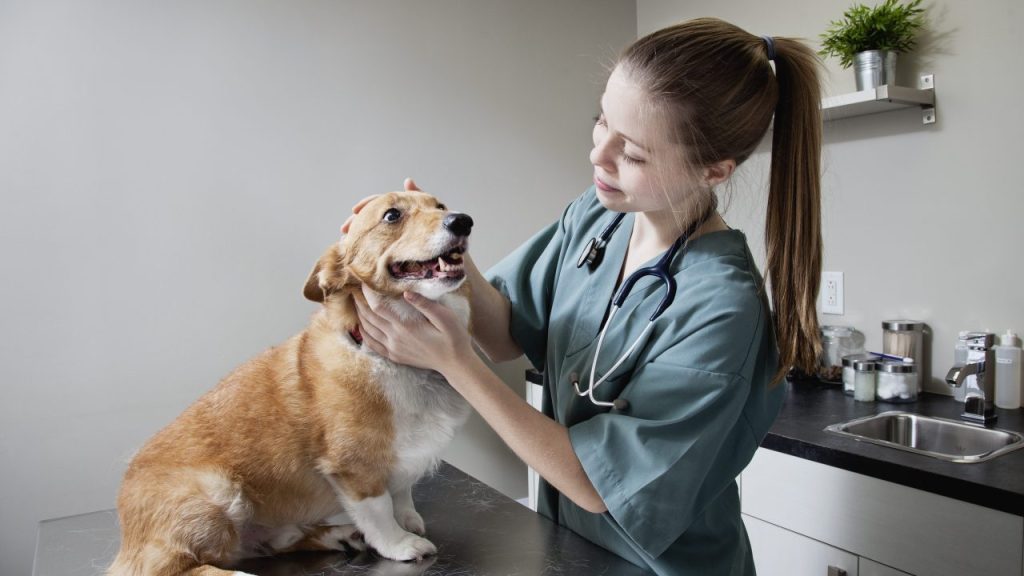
(170, 172)
(925, 221)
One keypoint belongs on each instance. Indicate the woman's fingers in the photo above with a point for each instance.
(347, 223)
(369, 317)
(374, 344)
(435, 313)
(375, 337)
(359, 205)
(355, 210)
(409, 185)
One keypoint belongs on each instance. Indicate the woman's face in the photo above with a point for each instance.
(637, 167)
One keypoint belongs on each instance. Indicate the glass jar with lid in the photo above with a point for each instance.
(905, 338)
(896, 381)
(864, 381)
(849, 373)
(837, 342)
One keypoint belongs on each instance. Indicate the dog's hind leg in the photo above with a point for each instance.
(213, 571)
(317, 538)
(185, 531)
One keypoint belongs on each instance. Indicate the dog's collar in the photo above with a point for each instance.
(356, 335)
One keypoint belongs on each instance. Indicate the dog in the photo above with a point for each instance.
(316, 427)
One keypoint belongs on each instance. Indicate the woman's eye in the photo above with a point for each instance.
(392, 215)
(631, 160)
(599, 120)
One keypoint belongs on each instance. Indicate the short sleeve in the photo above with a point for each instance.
(680, 453)
(527, 278)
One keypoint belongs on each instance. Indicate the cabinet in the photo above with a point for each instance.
(535, 398)
(871, 568)
(886, 526)
(778, 551)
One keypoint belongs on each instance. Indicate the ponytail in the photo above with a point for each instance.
(718, 80)
(793, 223)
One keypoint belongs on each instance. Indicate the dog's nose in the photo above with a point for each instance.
(458, 224)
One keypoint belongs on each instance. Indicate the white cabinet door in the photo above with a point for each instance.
(915, 531)
(779, 552)
(872, 568)
(535, 397)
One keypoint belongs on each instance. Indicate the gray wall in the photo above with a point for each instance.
(170, 172)
(925, 221)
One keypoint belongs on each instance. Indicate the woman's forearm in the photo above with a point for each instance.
(490, 318)
(538, 440)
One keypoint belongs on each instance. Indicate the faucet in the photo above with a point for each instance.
(981, 389)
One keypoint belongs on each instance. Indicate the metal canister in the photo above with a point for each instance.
(905, 338)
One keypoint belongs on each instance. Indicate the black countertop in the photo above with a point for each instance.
(478, 531)
(811, 406)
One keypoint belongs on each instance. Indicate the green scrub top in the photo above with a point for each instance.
(698, 388)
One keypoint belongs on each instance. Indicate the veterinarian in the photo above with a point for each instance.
(652, 479)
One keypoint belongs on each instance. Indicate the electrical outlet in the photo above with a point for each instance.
(831, 293)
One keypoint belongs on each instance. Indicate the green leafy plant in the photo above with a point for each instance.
(888, 26)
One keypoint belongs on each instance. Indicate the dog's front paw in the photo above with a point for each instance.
(411, 521)
(410, 547)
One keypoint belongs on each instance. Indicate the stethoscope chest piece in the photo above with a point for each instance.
(592, 254)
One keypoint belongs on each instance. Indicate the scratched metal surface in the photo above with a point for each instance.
(478, 531)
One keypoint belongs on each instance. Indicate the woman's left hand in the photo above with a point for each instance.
(435, 342)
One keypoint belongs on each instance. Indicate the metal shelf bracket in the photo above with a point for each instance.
(927, 82)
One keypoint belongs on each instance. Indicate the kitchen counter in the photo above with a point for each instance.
(477, 531)
(811, 406)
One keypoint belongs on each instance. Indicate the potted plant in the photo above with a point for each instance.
(870, 38)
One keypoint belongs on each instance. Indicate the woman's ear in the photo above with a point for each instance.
(328, 275)
(718, 172)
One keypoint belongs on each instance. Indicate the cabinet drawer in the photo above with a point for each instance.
(779, 552)
(872, 568)
(911, 530)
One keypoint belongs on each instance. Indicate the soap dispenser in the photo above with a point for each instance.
(1008, 371)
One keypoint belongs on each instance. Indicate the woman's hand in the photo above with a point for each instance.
(438, 341)
(410, 186)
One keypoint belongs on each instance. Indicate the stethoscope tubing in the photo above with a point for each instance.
(592, 256)
(589, 392)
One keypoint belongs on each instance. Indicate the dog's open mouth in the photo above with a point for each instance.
(448, 266)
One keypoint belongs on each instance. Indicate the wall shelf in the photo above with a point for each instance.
(883, 99)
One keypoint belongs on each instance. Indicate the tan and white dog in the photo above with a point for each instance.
(313, 428)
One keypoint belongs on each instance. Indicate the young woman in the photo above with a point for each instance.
(651, 477)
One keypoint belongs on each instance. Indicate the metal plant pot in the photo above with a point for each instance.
(874, 68)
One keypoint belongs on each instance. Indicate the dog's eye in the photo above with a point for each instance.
(392, 215)
(442, 207)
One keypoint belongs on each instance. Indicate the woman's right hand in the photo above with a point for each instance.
(410, 186)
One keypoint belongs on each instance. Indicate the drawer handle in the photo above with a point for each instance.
(836, 571)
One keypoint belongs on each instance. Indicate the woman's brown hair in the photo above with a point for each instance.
(717, 83)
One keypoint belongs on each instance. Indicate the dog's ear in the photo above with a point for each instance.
(328, 275)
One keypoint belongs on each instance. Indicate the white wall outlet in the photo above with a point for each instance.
(831, 293)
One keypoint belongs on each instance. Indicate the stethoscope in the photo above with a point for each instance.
(592, 255)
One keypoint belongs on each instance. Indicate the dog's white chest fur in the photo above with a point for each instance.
(426, 411)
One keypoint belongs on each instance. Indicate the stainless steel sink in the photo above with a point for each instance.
(936, 437)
